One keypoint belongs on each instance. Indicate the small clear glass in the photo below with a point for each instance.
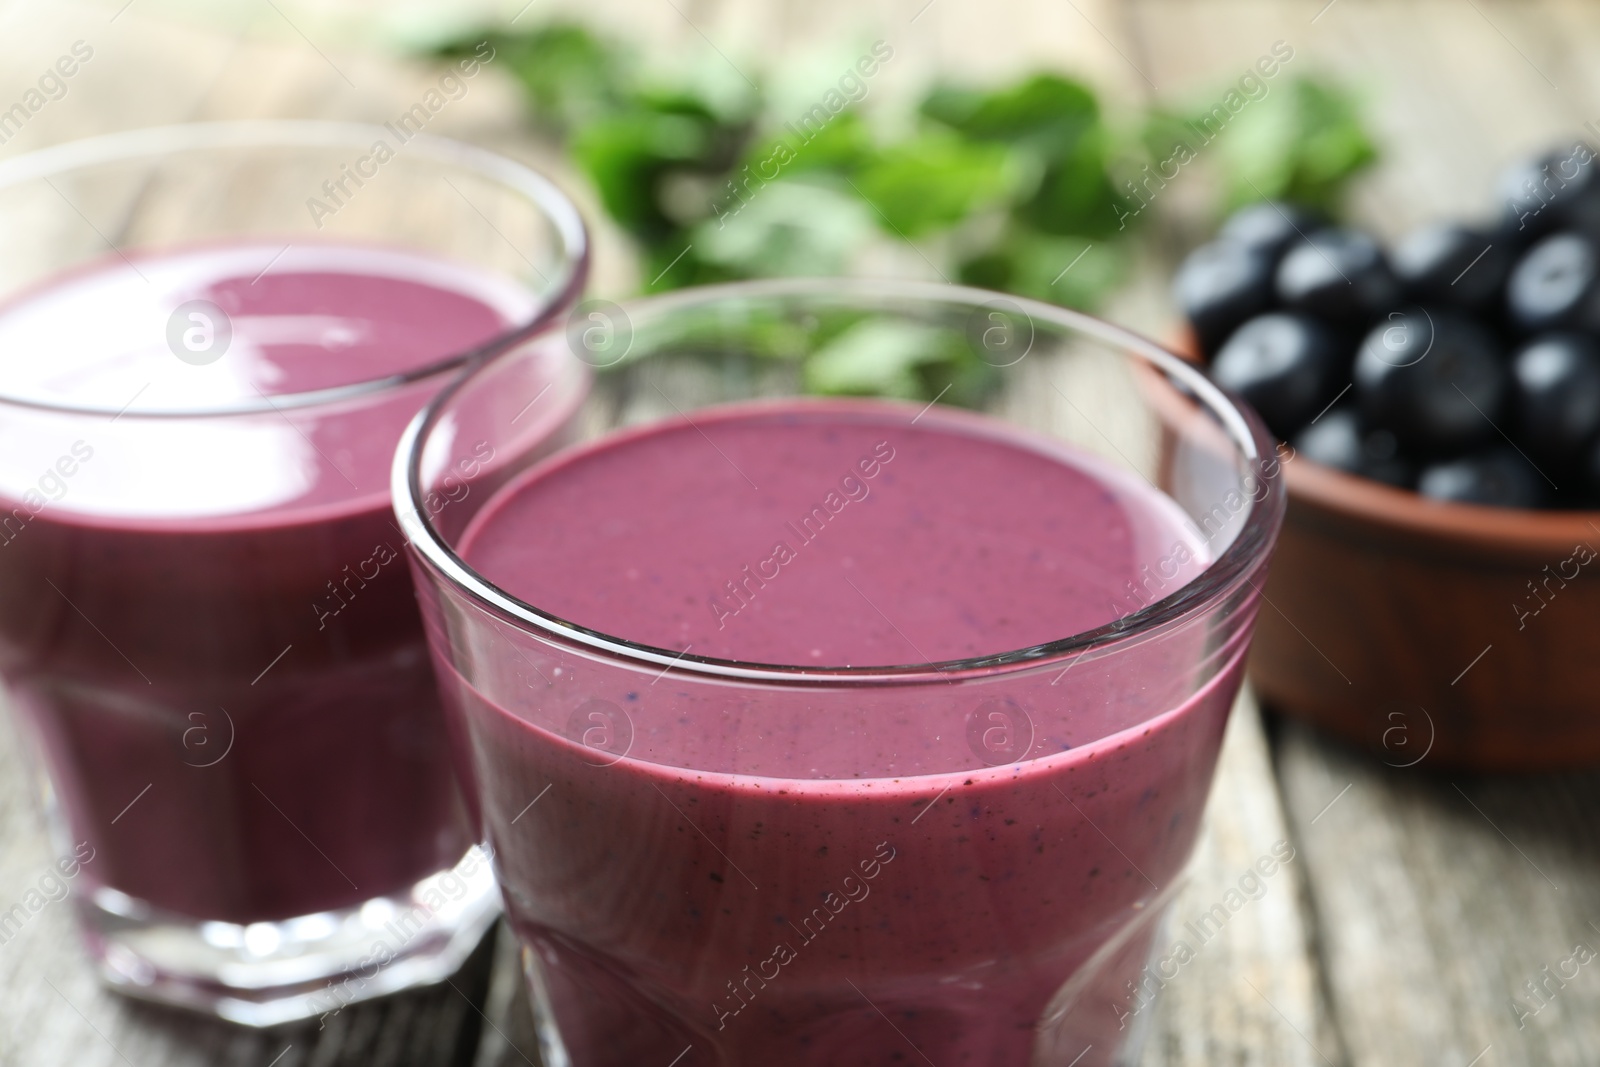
(970, 860)
(207, 643)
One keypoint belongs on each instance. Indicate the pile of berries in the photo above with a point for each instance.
(1464, 365)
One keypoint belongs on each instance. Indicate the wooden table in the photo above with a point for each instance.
(1419, 903)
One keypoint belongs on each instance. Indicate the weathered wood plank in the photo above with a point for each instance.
(1252, 994)
(1454, 91)
(1439, 897)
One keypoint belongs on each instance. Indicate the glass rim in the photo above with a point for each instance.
(548, 197)
(1220, 578)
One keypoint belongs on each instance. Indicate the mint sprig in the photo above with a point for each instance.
(1023, 188)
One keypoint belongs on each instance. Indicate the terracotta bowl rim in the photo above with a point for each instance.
(1362, 499)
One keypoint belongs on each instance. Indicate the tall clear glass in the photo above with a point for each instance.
(211, 338)
(808, 863)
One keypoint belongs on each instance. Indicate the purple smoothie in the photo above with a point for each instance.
(883, 874)
(205, 624)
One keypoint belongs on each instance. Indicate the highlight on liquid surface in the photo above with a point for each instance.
(294, 318)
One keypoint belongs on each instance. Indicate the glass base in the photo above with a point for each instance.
(1102, 1016)
(268, 973)
(552, 1050)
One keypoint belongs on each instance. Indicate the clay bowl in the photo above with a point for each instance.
(1430, 633)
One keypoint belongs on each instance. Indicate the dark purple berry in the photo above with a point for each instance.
(1453, 265)
(1497, 477)
(1337, 439)
(1589, 475)
(1555, 396)
(1270, 227)
(1219, 286)
(1556, 285)
(1284, 365)
(1558, 190)
(1338, 275)
(1433, 378)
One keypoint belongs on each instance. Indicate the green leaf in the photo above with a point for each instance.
(716, 179)
(1164, 129)
(1076, 196)
(627, 155)
(672, 261)
(727, 335)
(843, 145)
(786, 227)
(713, 103)
(1069, 271)
(1046, 108)
(877, 357)
(1054, 129)
(1304, 143)
(570, 76)
(891, 357)
(934, 181)
(1053, 125)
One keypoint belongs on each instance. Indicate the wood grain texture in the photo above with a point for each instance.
(1252, 995)
(1438, 896)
